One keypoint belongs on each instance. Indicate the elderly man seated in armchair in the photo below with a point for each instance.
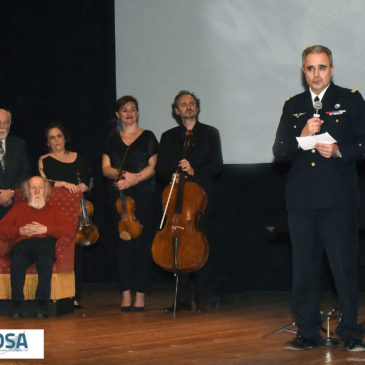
(34, 228)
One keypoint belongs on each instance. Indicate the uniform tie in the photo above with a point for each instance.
(2, 154)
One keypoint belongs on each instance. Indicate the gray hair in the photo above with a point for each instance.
(25, 187)
(317, 49)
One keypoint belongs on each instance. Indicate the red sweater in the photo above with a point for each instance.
(57, 223)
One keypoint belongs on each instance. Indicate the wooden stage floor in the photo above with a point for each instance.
(234, 333)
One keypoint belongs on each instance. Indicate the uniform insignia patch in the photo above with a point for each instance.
(336, 112)
(297, 115)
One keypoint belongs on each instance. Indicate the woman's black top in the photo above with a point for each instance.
(135, 158)
(66, 171)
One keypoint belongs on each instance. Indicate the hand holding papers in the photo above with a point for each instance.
(307, 143)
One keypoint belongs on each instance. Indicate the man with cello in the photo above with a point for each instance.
(200, 163)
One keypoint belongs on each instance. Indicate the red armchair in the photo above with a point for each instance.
(63, 279)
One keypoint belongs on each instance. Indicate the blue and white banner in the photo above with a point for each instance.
(21, 344)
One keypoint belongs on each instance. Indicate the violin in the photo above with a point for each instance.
(180, 246)
(87, 232)
(129, 226)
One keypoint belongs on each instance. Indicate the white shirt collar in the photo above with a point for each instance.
(320, 95)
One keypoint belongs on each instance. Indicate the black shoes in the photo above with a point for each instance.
(42, 309)
(16, 310)
(202, 307)
(354, 345)
(137, 309)
(40, 315)
(126, 308)
(301, 343)
(132, 309)
(180, 307)
(16, 314)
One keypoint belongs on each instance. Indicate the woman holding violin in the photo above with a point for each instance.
(67, 169)
(128, 161)
(200, 163)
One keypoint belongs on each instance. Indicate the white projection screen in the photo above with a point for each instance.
(242, 58)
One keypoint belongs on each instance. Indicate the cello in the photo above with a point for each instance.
(180, 246)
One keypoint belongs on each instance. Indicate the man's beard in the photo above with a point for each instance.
(37, 202)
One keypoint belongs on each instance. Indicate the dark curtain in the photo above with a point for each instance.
(57, 64)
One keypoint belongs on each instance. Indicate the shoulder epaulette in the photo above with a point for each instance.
(287, 99)
(353, 90)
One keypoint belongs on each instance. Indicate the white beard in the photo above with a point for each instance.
(37, 202)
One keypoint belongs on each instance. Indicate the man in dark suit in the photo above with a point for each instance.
(14, 164)
(201, 163)
(322, 197)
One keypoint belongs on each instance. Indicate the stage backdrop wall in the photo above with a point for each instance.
(242, 58)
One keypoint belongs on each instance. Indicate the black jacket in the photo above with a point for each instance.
(17, 168)
(205, 155)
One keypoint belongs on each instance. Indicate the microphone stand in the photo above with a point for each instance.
(327, 341)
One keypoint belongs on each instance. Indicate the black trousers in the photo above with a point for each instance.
(40, 251)
(198, 285)
(312, 233)
(195, 286)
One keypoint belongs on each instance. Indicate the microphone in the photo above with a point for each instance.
(317, 105)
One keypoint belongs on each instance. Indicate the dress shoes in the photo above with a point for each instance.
(77, 306)
(16, 310)
(126, 308)
(16, 314)
(301, 343)
(202, 307)
(354, 345)
(180, 307)
(42, 309)
(40, 315)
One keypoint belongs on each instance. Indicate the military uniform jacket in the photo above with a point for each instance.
(316, 182)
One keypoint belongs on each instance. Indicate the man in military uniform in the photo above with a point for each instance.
(322, 197)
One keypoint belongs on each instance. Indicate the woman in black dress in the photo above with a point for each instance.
(65, 169)
(134, 151)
